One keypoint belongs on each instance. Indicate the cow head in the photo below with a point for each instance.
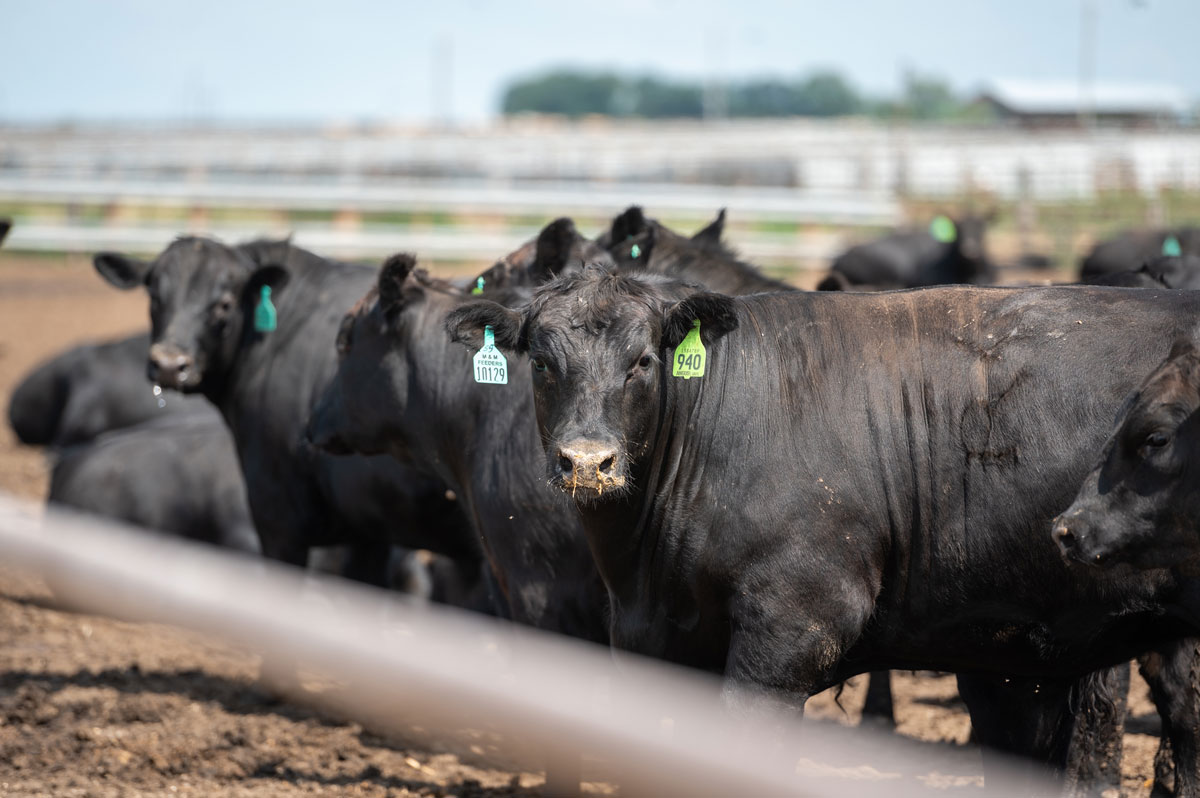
(973, 263)
(597, 345)
(558, 248)
(202, 294)
(1140, 504)
(364, 407)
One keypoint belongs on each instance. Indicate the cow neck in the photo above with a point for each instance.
(264, 371)
(482, 440)
(481, 437)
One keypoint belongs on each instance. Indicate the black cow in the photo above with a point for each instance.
(558, 247)
(206, 301)
(858, 481)
(402, 388)
(1130, 248)
(5, 226)
(90, 389)
(176, 474)
(1141, 502)
(914, 258)
(1161, 271)
(640, 244)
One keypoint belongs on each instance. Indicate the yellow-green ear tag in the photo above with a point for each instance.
(943, 230)
(490, 366)
(1171, 247)
(264, 312)
(689, 355)
(478, 289)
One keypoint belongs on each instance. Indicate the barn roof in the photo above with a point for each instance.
(1065, 97)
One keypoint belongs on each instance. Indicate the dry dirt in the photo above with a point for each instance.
(95, 707)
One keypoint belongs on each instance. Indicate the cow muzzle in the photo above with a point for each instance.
(1076, 543)
(590, 466)
(171, 367)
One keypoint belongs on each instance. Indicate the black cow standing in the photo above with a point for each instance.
(75, 396)
(915, 258)
(857, 481)
(1130, 249)
(402, 388)
(204, 296)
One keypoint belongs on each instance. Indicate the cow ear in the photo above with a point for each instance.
(556, 245)
(393, 275)
(121, 270)
(270, 275)
(630, 223)
(466, 322)
(712, 233)
(717, 314)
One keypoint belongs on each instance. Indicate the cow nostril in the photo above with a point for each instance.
(607, 464)
(1066, 538)
(565, 465)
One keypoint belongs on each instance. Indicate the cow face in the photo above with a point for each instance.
(363, 409)
(1140, 504)
(597, 345)
(201, 293)
(972, 254)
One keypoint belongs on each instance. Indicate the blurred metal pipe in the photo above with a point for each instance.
(665, 729)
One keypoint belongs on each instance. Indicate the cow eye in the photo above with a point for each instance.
(539, 364)
(1156, 440)
(644, 362)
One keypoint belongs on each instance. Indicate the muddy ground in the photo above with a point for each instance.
(94, 707)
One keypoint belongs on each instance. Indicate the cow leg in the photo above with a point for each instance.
(1067, 731)
(879, 707)
(1173, 673)
(368, 562)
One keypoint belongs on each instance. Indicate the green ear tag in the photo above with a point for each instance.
(264, 312)
(943, 230)
(490, 366)
(1171, 247)
(689, 355)
(478, 289)
(635, 251)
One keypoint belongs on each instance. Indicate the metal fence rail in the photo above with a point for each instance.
(663, 730)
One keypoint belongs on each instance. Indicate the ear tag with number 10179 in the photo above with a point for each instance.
(689, 355)
(490, 366)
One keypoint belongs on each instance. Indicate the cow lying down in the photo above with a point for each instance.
(848, 482)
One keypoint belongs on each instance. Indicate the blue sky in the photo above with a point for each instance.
(360, 59)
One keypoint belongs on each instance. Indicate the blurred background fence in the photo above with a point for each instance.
(797, 190)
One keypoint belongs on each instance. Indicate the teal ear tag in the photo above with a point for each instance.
(635, 251)
(943, 230)
(689, 355)
(490, 366)
(1171, 247)
(264, 313)
(478, 289)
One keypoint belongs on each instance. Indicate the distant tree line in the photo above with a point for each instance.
(824, 93)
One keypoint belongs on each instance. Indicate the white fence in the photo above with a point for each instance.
(661, 730)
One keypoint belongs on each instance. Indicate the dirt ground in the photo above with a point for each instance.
(94, 707)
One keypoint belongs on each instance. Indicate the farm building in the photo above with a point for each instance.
(1067, 104)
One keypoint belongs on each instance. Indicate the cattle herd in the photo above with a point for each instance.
(643, 441)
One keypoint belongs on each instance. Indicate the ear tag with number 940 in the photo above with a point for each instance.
(490, 366)
(689, 355)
